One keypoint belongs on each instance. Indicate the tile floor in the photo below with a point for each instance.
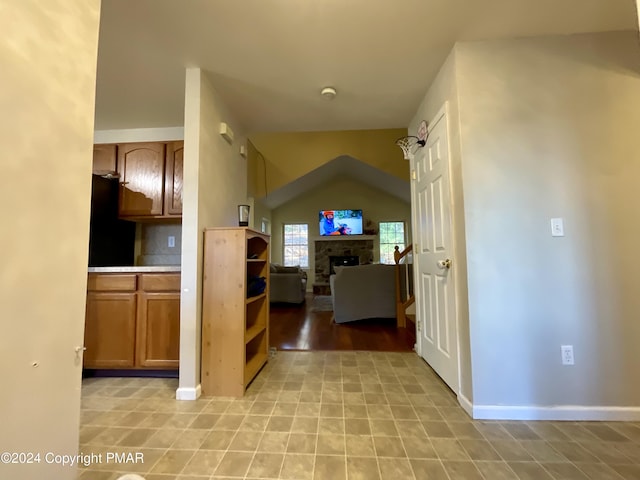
(338, 415)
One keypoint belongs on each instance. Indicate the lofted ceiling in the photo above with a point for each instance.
(343, 166)
(269, 58)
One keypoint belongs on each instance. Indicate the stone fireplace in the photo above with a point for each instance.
(341, 261)
(362, 248)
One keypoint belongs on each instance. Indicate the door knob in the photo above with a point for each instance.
(444, 264)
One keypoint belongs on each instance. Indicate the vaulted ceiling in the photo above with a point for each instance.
(343, 167)
(269, 58)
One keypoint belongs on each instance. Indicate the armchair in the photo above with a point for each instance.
(363, 291)
(288, 284)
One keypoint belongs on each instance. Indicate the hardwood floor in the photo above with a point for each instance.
(297, 327)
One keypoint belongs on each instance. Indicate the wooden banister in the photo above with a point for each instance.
(402, 303)
(399, 255)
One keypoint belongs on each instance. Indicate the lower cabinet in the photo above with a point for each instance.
(158, 328)
(110, 330)
(132, 321)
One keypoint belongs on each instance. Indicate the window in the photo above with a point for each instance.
(296, 244)
(265, 226)
(391, 234)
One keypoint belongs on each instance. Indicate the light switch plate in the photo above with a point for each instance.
(171, 241)
(557, 227)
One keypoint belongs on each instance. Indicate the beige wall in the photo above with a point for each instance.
(256, 164)
(260, 211)
(215, 183)
(549, 129)
(48, 57)
(255, 170)
(290, 155)
(343, 193)
(445, 90)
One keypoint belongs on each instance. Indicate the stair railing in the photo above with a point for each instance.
(404, 284)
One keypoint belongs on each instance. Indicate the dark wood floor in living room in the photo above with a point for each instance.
(300, 327)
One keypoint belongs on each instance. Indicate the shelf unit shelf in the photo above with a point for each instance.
(253, 332)
(235, 329)
(254, 365)
(256, 298)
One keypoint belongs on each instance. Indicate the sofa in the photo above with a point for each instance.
(288, 284)
(363, 291)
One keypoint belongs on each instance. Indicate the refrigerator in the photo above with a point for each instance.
(111, 240)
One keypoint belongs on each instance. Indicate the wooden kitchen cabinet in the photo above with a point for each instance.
(174, 176)
(158, 321)
(235, 327)
(158, 324)
(110, 323)
(132, 321)
(151, 180)
(141, 169)
(105, 159)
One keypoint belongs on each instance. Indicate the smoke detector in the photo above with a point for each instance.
(328, 93)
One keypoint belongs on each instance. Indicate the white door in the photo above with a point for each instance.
(437, 339)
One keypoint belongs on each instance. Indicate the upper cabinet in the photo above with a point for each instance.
(141, 169)
(174, 175)
(104, 159)
(151, 177)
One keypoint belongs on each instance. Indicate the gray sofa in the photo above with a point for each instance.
(363, 291)
(287, 284)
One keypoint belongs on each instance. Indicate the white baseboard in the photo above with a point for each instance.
(466, 404)
(188, 393)
(564, 412)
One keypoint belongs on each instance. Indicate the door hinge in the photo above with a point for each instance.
(418, 325)
(413, 174)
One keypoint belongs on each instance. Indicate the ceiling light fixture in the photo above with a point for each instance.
(328, 93)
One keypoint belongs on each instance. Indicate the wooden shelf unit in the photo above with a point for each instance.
(235, 328)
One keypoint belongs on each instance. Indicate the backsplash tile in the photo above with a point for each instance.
(154, 249)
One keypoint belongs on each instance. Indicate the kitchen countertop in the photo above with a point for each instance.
(136, 269)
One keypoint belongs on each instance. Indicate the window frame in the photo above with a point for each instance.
(300, 245)
(402, 244)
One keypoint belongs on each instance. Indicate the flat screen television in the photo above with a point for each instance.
(340, 222)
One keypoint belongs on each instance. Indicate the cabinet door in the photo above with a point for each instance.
(173, 178)
(110, 329)
(104, 159)
(158, 342)
(141, 169)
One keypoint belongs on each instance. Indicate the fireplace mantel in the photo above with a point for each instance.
(350, 238)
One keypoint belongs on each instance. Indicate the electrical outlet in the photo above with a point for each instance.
(171, 241)
(567, 354)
